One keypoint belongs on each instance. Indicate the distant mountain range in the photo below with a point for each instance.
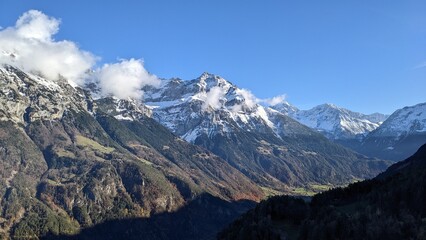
(334, 122)
(363, 133)
(391, 137)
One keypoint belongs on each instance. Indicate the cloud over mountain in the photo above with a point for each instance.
(30, 46)
(125, 79)
(273, 101)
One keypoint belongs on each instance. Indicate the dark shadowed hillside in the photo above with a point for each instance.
(201, 219)
(390, 206)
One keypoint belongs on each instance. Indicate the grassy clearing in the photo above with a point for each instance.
(302, 192)
(64, 153)
(320, 187)
(145, 161)
(311, 189)
(269, 192)
(86, 142)
(52, 182)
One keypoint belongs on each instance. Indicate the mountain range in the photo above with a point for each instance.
(334, 122)
(67, 164)
(392, 137)
(272, 149)
(73, 159)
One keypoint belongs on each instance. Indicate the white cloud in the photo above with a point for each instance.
(29, 45)
(249, 99)
(35, 25)
(273, 101)
(125, 79)
(212, 98)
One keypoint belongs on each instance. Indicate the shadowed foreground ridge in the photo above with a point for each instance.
(202, 218)
(390, 206)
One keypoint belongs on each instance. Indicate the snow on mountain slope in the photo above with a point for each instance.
(191, 108)
(266, 145)
(338, 123)
(26, 97)
(286, 108)
(206, 105)
(399, 136)
(405, 121)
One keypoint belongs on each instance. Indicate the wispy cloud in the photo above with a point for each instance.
(250, 101)
(274, 101)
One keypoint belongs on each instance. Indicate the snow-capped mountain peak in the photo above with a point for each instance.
(408, 120)
(183, 105)
(286, 108)
(208, 105)
(399, 136)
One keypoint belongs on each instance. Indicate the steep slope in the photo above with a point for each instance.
(391, 206)
(399, 136)
(185, 163)
(269, 147)
(66, 165)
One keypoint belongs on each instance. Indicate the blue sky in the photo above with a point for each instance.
(367, 56)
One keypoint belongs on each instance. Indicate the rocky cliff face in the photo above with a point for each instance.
(28, 98)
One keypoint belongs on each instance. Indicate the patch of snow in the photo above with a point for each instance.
(121, 117)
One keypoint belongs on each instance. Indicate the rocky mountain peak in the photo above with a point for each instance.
(27, 97)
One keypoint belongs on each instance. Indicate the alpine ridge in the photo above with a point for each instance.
(338, 123)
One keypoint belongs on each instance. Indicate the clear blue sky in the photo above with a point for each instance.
(362, 55)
